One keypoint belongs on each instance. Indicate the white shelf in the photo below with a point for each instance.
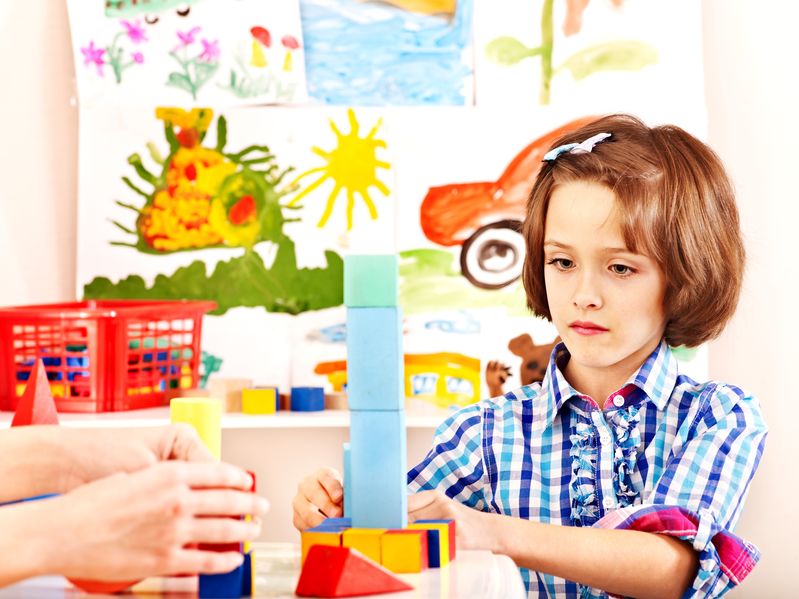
(160, 416)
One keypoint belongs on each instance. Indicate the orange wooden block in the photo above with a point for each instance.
(36, 406)
(365, 540)
(404, 550)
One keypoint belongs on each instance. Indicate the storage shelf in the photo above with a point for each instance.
(160, 417)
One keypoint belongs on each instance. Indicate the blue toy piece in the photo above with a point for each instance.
(374, 359)
(247, 576)
(335, 523)
(379, 496)
(370, 281)
(222, 586)
(347, 481)
(307, 399)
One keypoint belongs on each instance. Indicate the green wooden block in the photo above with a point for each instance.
(370, 281)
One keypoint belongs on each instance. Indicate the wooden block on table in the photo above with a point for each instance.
(447, 528)
(375, 367)
(191, 393)
(205, 415)
(248, 575)
(36, 406)
(404, 551)
(365, 540)
(260, 400)
(344, 572)
(371, 280)
(307, 399)
(222, 586)
(379, 495)
(320, 536)
(347, 459)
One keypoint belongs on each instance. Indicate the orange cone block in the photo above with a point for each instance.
(344, 572)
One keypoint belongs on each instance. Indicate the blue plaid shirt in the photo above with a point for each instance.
(666, 455)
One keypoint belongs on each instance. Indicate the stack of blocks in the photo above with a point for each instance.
(375, 391)
(423, 544)
(205, 415)
(375, 488)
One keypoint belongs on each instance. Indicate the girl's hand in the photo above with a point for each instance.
(97, 453)
(473, 528)
(130, 526)
(319, 496)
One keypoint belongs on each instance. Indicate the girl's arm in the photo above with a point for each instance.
(621, 562)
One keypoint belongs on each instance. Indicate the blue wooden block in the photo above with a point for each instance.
(247, 576)
(337, 522)
(347, 481)
(222, 586)
(374, 359)
(307, 399)
(370, 280)
(379, 469)
(434, 548)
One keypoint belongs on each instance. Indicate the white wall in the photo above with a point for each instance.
(750, 66)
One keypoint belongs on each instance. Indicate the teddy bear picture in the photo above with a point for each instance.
(533, 367)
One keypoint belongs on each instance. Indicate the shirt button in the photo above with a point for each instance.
(604, 438)
(608, 502)
(618, 401)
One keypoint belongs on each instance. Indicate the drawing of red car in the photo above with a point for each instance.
(485, 218)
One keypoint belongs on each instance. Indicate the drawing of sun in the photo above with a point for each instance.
(352, 166)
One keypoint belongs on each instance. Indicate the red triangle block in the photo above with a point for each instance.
(331, 571)
(36, 405)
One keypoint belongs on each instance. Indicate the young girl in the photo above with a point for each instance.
(616, 474)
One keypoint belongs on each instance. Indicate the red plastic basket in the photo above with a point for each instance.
(102, 356)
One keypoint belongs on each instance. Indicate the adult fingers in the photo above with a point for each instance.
(221, 502)
(202, 475)
(187, 445)
(204, 562)
(222, 530)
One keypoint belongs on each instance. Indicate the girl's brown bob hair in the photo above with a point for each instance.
(676, 205)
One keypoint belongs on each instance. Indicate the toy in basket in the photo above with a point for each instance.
(102, 356)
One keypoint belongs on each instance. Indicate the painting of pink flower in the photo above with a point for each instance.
(574, 15)
(137, 57)
(187, 38)
(135, 31)
(210, 51)
(92, 55)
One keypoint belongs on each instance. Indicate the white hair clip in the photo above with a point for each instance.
(574, 148)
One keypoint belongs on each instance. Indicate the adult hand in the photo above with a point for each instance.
(319, 496)
(473, 528)
(96, 453)
(130, 526)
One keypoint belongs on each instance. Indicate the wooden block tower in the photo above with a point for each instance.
(375, 390)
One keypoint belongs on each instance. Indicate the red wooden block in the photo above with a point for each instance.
(344, 572)
(101, 587)
(36, 405)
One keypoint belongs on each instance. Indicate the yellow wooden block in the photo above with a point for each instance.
(403, 551)
(205, 415)
(259, 401)
(443, 538)
(365, 540)
(311, 538)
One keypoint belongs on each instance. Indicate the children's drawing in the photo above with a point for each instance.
(116, 54)
(150, 9)
(378, 54)
(209, 197)
(533, 366)
(621, 55)
(255, 74)
(209, 52)
(485, 218)
(198, 63)
(425, 7)
(352, 165)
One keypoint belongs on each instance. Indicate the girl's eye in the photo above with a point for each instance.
(561, 263)
(621, 269)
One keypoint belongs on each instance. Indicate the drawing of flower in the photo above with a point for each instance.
(114, 54)
(135, 31)
(290, 43)
(92, 55)
(210, 51)
(198, 69)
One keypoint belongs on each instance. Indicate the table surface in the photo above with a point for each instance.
(472, 575)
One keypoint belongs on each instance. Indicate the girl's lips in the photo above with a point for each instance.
(587, 328)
